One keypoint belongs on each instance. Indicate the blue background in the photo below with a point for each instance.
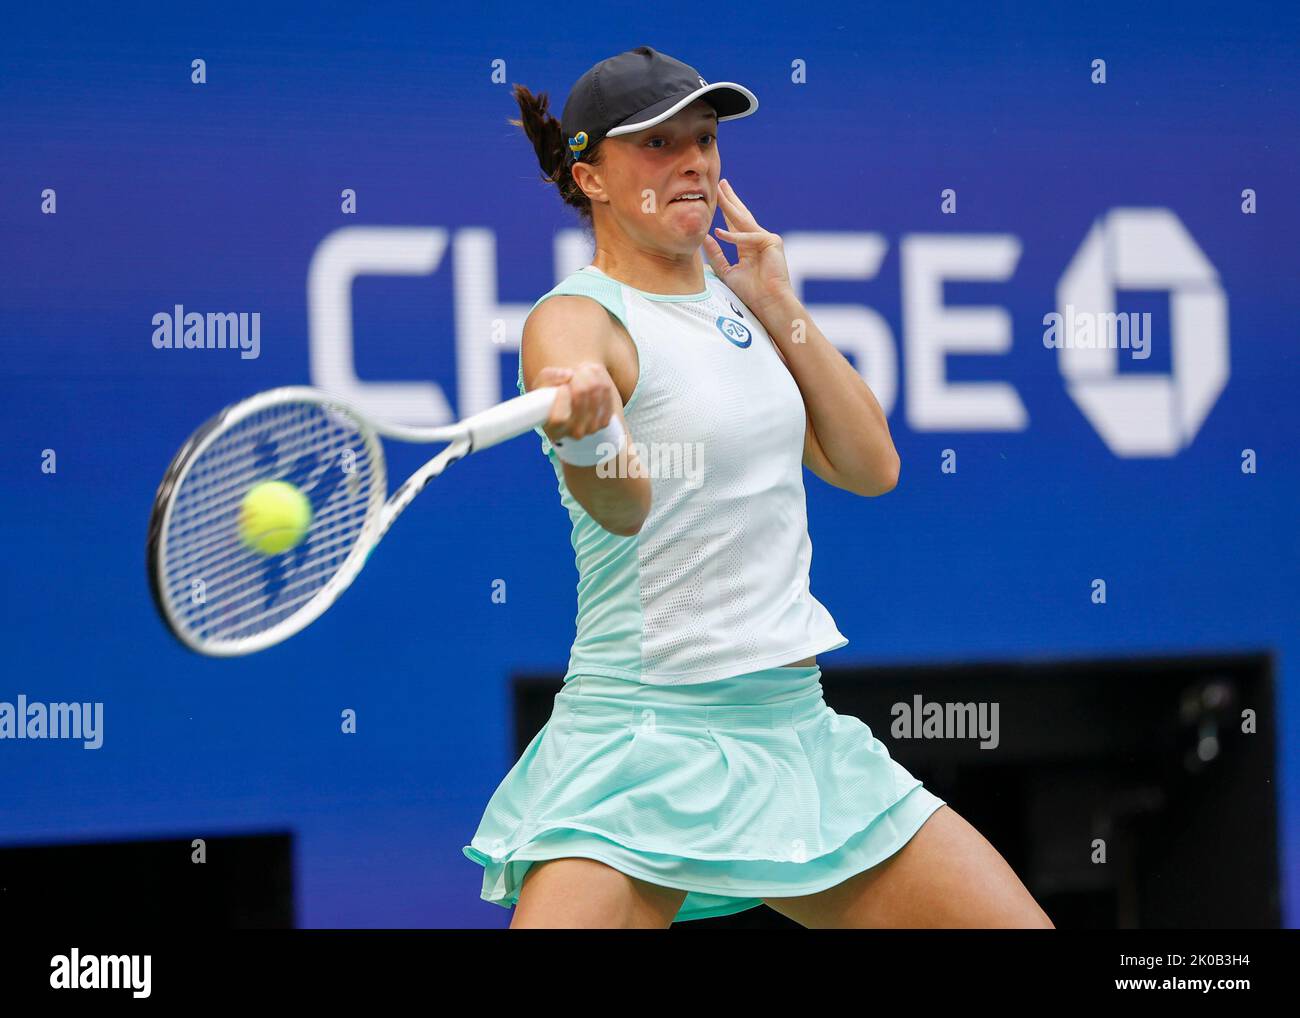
(216, 196)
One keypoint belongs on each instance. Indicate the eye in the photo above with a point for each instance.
(708, 138)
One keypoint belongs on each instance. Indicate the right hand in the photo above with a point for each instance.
(586, 400)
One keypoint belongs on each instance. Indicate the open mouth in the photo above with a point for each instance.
(687, 199)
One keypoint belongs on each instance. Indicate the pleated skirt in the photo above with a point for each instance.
(734, 791)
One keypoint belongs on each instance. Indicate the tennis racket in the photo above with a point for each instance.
(221, 598)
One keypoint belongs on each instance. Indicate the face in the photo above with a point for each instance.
(642, 173)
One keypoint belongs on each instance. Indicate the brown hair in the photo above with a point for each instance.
(548, 140)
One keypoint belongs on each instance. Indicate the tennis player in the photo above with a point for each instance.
(691, 767)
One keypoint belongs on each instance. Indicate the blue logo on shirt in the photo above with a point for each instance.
(735, 332)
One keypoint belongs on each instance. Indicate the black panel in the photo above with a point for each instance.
(245, 883)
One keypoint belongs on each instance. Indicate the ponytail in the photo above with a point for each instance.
(544, 132)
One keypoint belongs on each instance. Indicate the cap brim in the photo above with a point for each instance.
(732, 102)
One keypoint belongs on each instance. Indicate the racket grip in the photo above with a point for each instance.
(511, 418)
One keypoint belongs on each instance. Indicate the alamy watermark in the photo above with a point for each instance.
(654, 459)
(179, 329)
(25, 720)
(935, 720)
(1094, 330)
(77, 971)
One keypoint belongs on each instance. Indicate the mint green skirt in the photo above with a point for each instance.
(734, 791)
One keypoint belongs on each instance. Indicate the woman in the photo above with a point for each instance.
(690, 767)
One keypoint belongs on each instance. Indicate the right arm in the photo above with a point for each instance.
(568, 342)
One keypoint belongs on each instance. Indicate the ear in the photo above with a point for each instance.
(588, 179)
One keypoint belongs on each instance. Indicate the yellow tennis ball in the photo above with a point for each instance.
(273, 517)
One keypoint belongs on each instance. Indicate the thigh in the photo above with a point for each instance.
(946, 876)
(574, 893)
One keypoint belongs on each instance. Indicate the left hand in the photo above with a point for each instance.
(759, 277)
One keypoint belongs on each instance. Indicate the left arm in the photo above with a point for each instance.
(847, 441)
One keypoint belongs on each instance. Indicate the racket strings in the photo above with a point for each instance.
(217, 587)
(213, 498)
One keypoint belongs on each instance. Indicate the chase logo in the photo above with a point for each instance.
(735, 332)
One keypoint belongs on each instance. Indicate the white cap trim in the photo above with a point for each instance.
(686, 101)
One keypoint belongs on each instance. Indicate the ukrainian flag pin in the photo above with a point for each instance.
(578, 143)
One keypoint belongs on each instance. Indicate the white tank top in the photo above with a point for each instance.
(715, 584)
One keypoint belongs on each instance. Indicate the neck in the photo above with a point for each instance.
(651, 271)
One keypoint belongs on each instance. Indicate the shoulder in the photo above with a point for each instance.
(585, 288)
(564, 327)
(568, 319)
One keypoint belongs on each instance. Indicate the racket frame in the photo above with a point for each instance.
(480, 431)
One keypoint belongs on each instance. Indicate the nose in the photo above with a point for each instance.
(696, 160)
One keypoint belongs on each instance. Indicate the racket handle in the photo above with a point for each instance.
(511, 418)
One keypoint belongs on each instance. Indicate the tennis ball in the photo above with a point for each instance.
(273, 517)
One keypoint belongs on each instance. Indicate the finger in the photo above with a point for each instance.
(604, 404)
(602, 407)
(604, 412)
(553, 375)
(560, 410)
(582, 415)
(726, 216)
(744, 218)
(589, 390)
(574, 426)
(598, 411)
(742, 239)
(717, 257)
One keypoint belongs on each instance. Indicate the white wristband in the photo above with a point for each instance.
(595, 448)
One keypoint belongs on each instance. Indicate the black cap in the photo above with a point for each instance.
(638, 89)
